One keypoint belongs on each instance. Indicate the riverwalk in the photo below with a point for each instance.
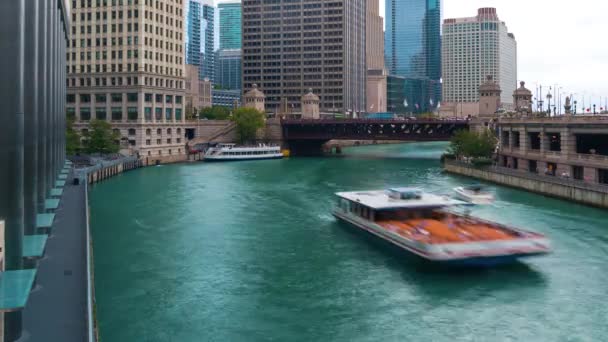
(565, 188)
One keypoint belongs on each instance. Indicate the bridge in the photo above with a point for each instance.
(306, 137)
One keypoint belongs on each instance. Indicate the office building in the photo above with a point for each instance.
(292, 46)
(473, 49)
(228, 72)
(198, 92)
(226, 98)
(32, 142)
(413, 50)
(376, 72)
(126, 66)
(199, 40)
(230, 25)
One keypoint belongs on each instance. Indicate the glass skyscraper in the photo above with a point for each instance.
(199, 39)
(413, 50)
(228, 73)
(230, 25)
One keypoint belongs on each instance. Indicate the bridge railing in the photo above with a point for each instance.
(396, 120)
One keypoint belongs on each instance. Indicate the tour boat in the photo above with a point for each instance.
(474, 194)
(232, 152)
(431, 227)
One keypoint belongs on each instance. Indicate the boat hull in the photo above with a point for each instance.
(471, 261)
(216, 159)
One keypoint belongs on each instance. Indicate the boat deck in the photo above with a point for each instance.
(454, 230)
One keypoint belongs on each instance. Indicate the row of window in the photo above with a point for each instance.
(118, 97)
(101, 113)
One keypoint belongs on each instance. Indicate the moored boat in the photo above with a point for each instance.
(474, 194)
(427, 226)
(233, 152)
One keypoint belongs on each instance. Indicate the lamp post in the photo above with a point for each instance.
(549, 96)
(575, 107)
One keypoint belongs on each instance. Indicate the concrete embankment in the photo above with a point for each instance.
(575, 190)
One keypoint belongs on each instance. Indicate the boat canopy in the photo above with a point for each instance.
(396, 198)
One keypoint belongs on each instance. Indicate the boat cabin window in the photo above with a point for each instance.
(409, 214)
(357, 209)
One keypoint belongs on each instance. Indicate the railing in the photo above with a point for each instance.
(82, 173)
(538, 177)
(91, 335)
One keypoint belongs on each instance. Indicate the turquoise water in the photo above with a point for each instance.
(248, 251)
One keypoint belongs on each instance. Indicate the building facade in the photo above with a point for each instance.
(126, 66)
(198, 92)
(292, 46)
(228, 72)
(199, 39)
(226, 98)
(32, 142)
(230, 25)
(374, 49)
(413, 50)
(472, 49)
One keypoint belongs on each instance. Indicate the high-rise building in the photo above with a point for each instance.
(374, 49)
(228, 72)
(126, 66)
(199, 40)
(292, 46)
(413, 50)
(230, 25)
(473, 49)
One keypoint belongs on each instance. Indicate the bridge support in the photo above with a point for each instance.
(306, 147)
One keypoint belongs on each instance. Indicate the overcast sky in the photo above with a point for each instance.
(558, 42)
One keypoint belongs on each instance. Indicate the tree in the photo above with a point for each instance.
(101, 138)
(72, 139)
(215, 113)
(472, 144)
(248, 121)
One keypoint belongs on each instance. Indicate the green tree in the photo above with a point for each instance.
(72, 139)
(101, 138)
(248, 121)
(215, 113)
(473, 144)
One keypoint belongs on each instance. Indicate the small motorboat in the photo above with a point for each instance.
(474, 194)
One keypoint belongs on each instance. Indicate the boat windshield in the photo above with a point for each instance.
(474, 187)
(409, 214)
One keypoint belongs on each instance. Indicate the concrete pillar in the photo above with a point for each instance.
(544, 141)
(524, 140)
(42, 105)
(590, 175)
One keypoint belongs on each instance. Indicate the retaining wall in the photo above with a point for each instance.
(591, 194)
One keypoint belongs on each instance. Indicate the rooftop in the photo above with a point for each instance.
(380, 199)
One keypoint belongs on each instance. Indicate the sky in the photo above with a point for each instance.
(558, 42)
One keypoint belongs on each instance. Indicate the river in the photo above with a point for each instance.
(248, 251)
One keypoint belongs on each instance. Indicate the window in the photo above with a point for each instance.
(148, 142)
(158, 142)
(158, 113)
(159, 131)
(100, 113)
(178, 114)
(131, 97)
(131, 131)
(168, 140)
(148, 97)
(116, 97)
(70, 98)
(100, 98)
(85, 114)
(132, 113)
(148, 114)
(70, 113)
(169, 99)
(178, 99)
(168, 114)
(159, 98)
(578, 172)
(148, 131)
(85, 98)
(116, 113)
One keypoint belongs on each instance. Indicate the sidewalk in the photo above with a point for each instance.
(57, 307)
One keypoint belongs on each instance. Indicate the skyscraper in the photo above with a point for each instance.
(230, 25)
(376, 71)
(292, 46)
(228, 68)
(199, 38)
(472, 49)
(126, 66)
(413, 50)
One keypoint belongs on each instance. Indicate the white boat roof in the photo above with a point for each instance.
(380, 199)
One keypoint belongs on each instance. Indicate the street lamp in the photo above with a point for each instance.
(575, 106)
(549, 97)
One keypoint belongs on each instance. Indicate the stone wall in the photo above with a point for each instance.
(586, 194)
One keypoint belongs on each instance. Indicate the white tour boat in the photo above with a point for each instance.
(232, 152)
(474, 194)
(423, 225)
